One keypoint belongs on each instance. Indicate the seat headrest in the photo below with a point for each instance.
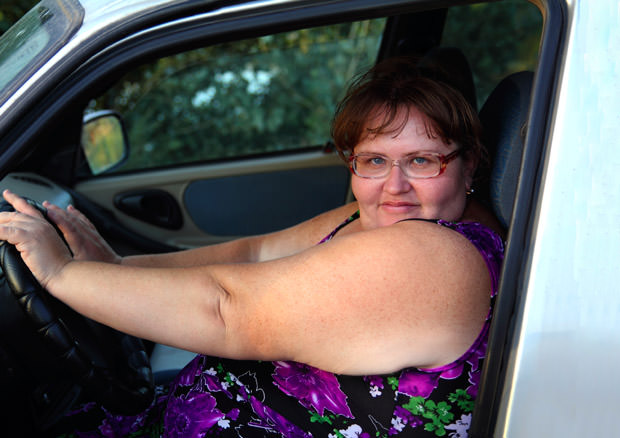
(449, 65)
(503, 117)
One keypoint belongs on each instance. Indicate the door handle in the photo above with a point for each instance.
(156, 207)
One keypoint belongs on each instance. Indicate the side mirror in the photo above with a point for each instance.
(104, 141)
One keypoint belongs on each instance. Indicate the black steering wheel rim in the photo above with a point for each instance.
(112, 367)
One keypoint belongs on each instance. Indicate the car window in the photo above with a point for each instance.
(497, 50)
(256, 96)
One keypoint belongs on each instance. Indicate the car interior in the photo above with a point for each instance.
(52, 358)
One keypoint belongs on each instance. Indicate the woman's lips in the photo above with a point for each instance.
(398, 206)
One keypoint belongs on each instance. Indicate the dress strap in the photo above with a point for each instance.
(350, 219)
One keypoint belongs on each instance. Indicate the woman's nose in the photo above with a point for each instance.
(397, 181)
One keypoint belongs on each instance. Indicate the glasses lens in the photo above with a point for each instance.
(370, 166)
(421, 165)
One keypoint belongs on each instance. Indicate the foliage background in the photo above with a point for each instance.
(263, 95)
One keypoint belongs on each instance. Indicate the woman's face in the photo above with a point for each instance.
(385, 201)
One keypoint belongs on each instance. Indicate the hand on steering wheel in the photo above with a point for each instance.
(112, 367)
(39, 244)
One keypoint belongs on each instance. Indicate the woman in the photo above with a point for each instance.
(379, 330)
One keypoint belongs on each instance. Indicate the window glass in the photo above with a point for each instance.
(263, 95)
(494, 51)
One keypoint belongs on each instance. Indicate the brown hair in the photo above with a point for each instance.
(396, 85)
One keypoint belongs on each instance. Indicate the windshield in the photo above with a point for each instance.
(34, 39)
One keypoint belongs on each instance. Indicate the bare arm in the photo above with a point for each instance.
(411, 294)
(251, 249)
(339, 306)
(88, 245)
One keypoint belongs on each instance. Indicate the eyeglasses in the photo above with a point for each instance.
(416, 165)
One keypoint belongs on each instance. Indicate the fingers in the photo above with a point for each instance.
(14, 225)
(80, 216)
(69, 218)
(37, 241)
(75, 227)
(59, 216)
(20, 204)
(17, 227)
(71, 225)
(78, 231)
(81, 235)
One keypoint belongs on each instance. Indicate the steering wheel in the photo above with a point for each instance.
(54, 342)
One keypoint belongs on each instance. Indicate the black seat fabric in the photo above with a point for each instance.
(503, 117)
(449, 65)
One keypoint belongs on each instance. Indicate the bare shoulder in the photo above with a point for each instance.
(421, 290)
(436, 286)
(427, 242)
(432, 285)
(446, 256)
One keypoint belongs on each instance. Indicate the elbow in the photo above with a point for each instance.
(245, 333)
(233, 339)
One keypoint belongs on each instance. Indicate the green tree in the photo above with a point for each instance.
(266, 94)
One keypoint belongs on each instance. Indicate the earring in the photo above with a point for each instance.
(469, 191)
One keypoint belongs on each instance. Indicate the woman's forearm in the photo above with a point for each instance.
(258, 248)
(179, 307)
(235, 251)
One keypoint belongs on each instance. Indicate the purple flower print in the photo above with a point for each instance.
(374, 381)
(452, 372)
(474, 379)
(313, 388)
(119, 426)
(417, 384)
(353, 431)
(274, 421)
(191, 415)
(207, 378)
(189, 373)
(211, 383)
(401, 418)
(403, 413)
(233, 414)
(376, 385)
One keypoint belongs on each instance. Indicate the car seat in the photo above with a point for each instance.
(504, 117)
(449, 65)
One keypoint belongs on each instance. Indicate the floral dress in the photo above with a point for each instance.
(214, 397)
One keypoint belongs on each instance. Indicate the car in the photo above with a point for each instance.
(175, 124)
